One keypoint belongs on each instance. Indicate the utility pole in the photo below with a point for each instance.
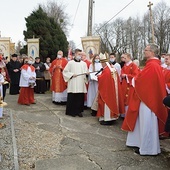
(90, 17)
(151, 20)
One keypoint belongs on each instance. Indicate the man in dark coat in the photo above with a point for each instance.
(14, 72)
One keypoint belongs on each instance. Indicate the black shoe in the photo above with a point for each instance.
(71, 115)
(133, 147)
(107, 123)
(80, 115)
(94, 113)
(57, 103)
(27, 104)
(63, 103)
(137, 151)
(85, 107)
(164, 137)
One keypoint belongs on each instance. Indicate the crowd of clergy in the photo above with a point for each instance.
(112, 90)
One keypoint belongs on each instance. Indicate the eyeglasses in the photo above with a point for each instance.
(147, 50)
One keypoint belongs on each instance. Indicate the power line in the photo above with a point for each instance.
(116, 14)
(76, 13)
(113, 17)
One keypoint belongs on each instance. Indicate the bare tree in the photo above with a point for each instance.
(72, 45)
(133, 34)
(57, 11)
(18, 47)
(161, 16)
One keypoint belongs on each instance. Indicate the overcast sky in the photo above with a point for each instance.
(13, 13)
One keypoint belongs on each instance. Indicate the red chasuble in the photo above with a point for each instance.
(150, 89)
(107, 94)
(58, 83)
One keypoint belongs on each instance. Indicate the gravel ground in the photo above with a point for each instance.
(34, 145)
(6, 150)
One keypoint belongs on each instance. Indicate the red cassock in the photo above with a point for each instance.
(131, 71)
(58, 84)
(26, 95)
(107, 95)
(150, 89)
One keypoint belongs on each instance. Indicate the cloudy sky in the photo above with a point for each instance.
(13, 13)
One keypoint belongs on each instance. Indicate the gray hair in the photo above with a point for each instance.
(154, 48)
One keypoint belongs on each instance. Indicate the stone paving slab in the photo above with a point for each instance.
(67, 163)
(47, 139)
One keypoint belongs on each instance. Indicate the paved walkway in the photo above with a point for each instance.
(47, 139)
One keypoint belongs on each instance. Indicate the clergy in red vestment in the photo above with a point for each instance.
(58, 85)
(129, 70)
(84, 58)
(166, 72)
(108, 96)
(27, 82)
(146, 115)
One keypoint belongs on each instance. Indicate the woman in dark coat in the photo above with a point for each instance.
(40, 80)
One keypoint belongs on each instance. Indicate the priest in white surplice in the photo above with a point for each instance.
(95, 66)
(146, 116)
(75, 75)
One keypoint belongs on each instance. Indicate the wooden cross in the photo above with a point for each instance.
(150, 4)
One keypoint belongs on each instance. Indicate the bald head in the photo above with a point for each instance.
(83, 56)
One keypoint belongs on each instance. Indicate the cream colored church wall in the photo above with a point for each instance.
(5, 46)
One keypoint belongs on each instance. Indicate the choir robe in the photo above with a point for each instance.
(131, 70)
(58, 86)
(108, 92)
(146, 115)
(76, 86)
(93, 83)
(26, 95)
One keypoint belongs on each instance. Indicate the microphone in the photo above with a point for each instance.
(99, 71)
